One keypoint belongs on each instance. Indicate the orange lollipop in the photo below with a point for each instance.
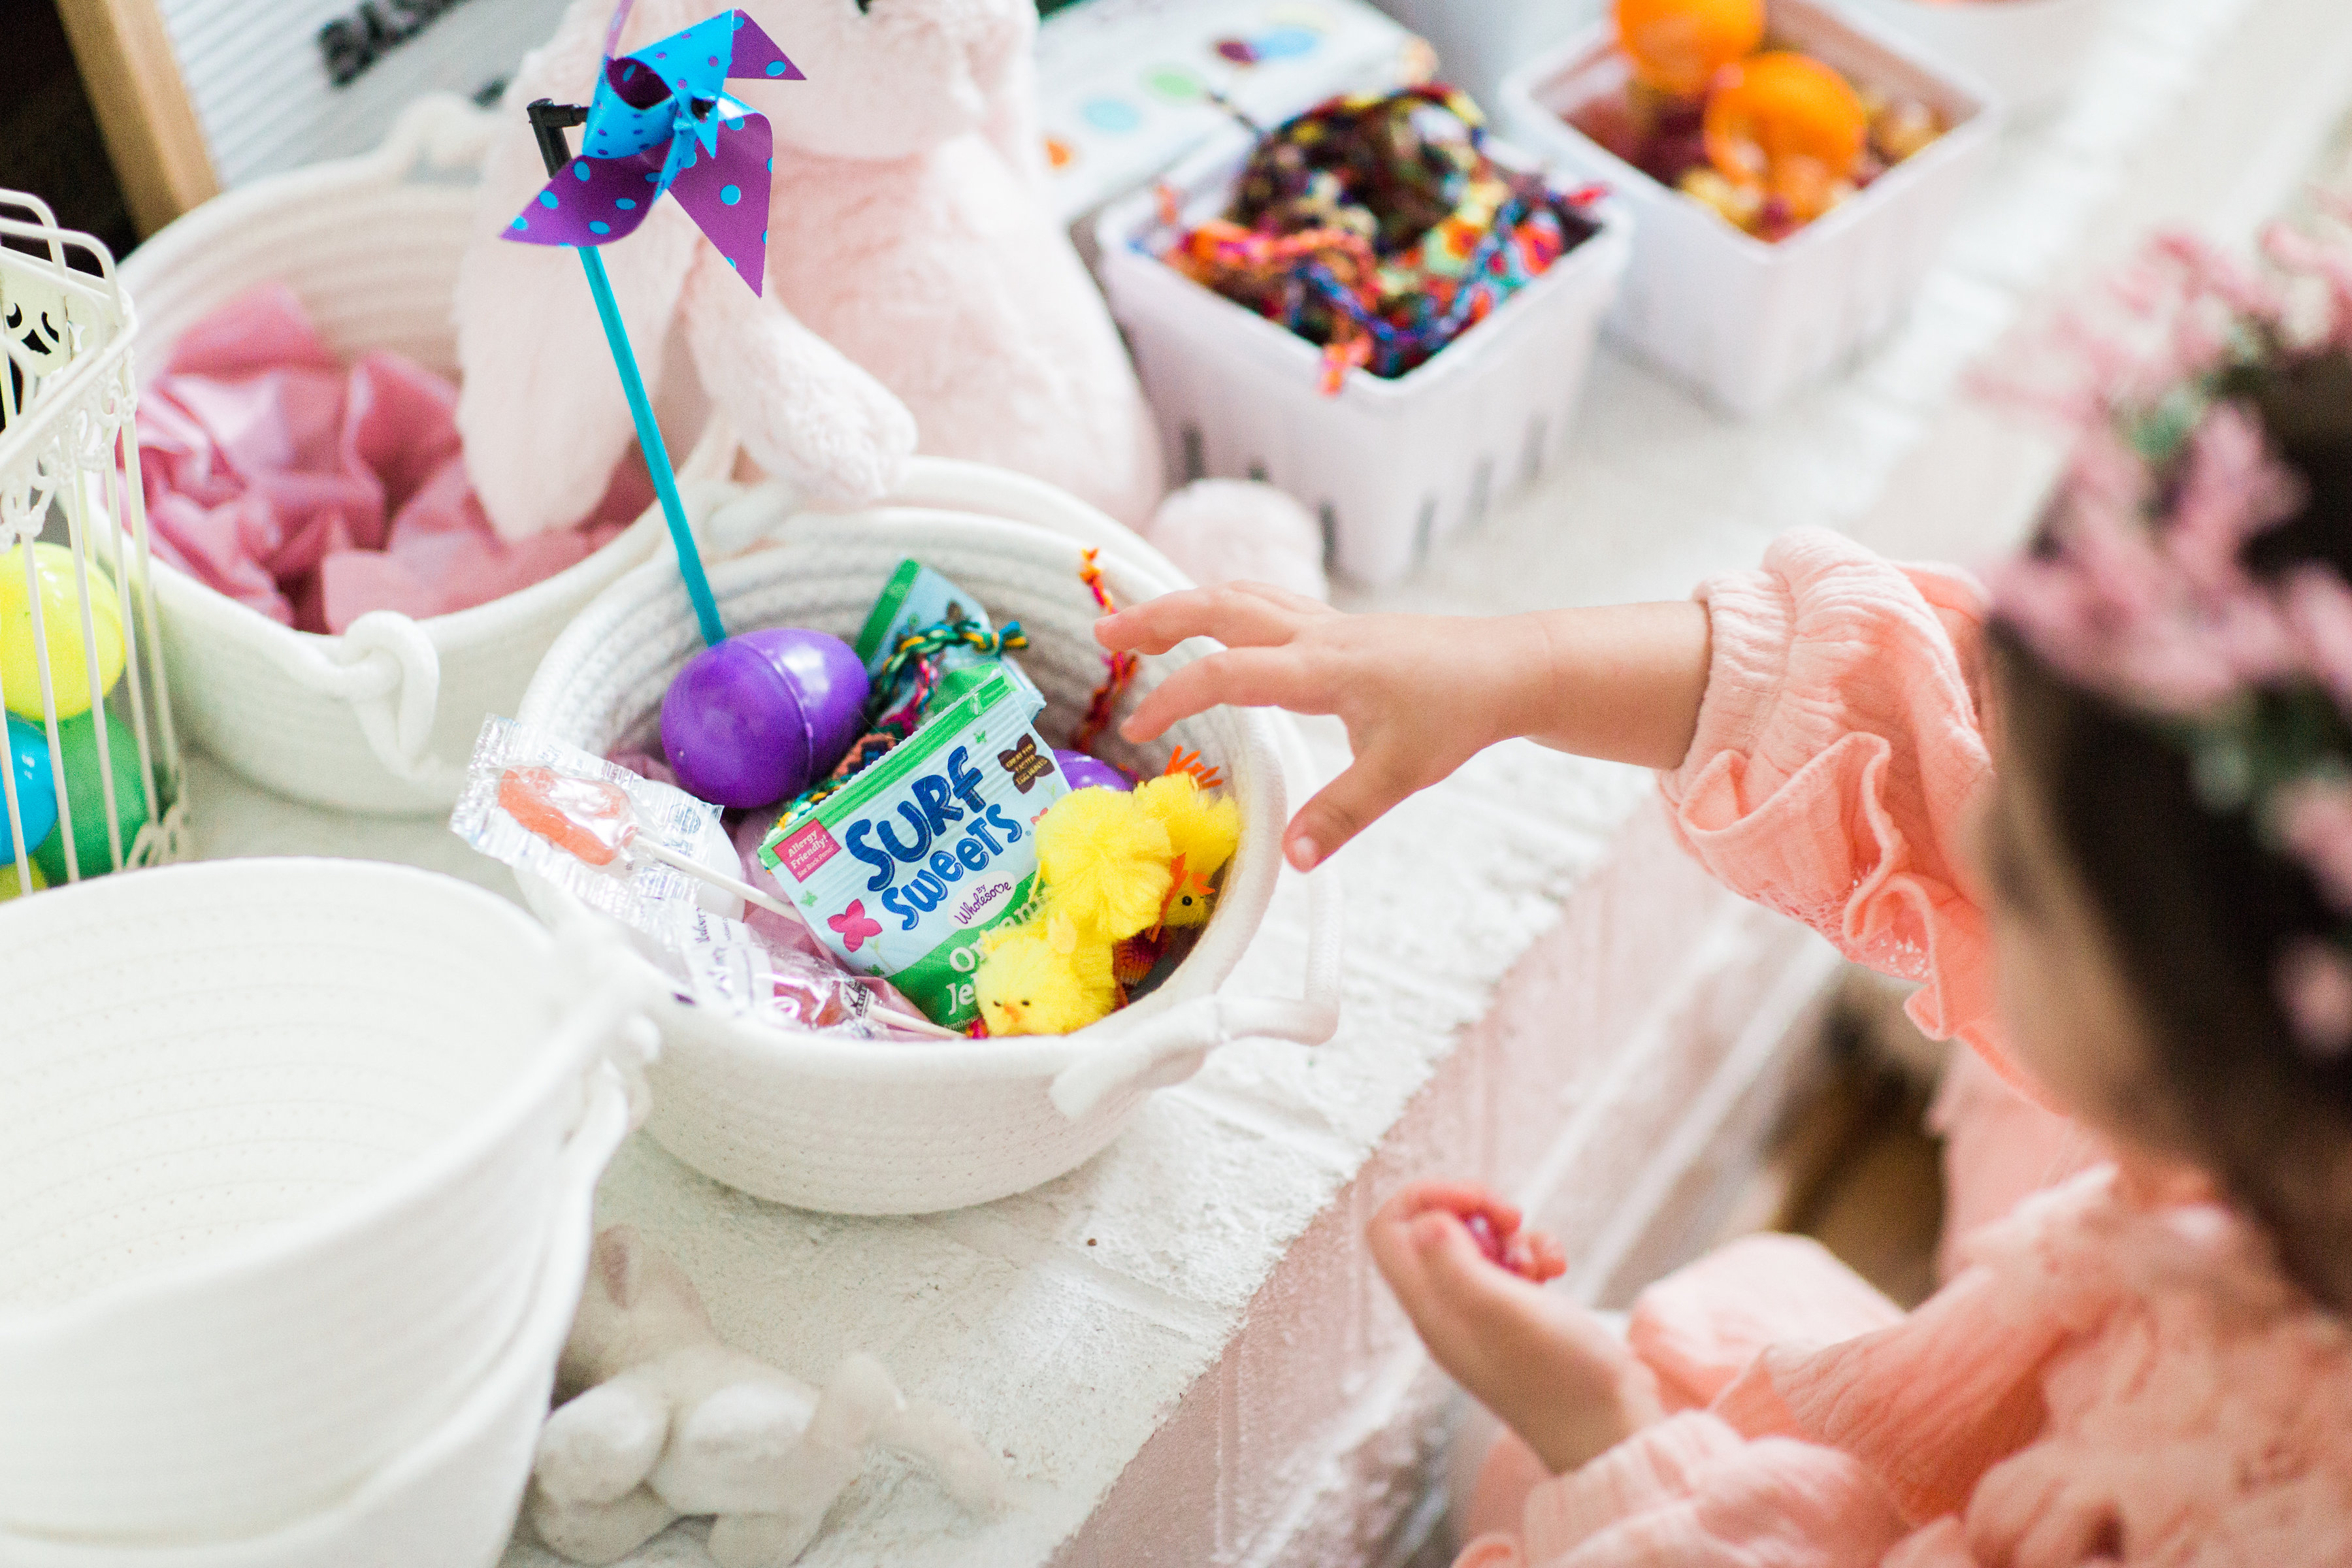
(1790, 123)
(1677, 46)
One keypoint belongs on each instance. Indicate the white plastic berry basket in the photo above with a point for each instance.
(380, 718)
(883, 1127)
(1388, 465)
(2031, 52)
(281, 1144)
(1745, 322)
(450, 1499)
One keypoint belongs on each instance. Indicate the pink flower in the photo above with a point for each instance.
(2315, 989)
(2319, 608)
(2314, 820)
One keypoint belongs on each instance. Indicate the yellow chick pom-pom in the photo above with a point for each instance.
(1202, 833)
(1105, 861)
(1042, 977)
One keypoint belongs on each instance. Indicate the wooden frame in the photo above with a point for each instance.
(151, 133)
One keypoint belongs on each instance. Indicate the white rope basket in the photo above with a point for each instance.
(450, 1500)
(884, 1127)
(280, 1147)
(382, 718)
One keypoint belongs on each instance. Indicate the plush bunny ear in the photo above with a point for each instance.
(617, 1263)
(540, 408)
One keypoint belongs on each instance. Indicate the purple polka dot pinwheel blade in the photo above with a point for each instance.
(726, 195)
(591, 201)
(756, 55)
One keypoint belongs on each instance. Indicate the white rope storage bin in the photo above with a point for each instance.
(280, 1143)
(450, 1500)
(380, 718)
(889, 1127)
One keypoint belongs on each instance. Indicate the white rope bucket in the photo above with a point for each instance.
(281, 1146)
(380, 718)
(888, 1127)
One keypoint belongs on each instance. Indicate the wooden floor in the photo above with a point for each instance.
(1854, 1166)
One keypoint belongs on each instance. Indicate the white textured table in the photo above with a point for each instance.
(1182, 1350)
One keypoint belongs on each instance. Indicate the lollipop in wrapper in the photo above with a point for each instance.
(593, 821)
(633, 848)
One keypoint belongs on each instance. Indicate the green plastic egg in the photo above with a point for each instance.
(85, 797)
(20, 669)
(9, 887)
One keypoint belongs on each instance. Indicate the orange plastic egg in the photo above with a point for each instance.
(1677, 46)
(1788, 123)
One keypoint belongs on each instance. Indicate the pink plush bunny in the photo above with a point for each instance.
(916, 282)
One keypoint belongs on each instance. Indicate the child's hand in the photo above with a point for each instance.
(1550, 1370)
(1420, 694)
(1423, 694)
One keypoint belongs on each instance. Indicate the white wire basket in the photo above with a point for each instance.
(69, 483)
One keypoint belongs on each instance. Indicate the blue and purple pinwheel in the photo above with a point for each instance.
(661, 121)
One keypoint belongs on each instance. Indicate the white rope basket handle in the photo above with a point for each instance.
(610, 1032)
(389, 672)
(1171, 1049)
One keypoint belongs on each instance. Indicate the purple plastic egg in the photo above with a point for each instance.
(762, 716)
(1083, 772)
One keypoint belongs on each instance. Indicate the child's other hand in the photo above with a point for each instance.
(1550, 1369)
(1420, 694)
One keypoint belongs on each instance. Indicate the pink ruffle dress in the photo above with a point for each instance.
(2097, 1383)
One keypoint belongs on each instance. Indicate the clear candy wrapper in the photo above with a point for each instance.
(582, 823)
(733, 970)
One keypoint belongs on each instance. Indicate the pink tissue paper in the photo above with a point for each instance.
(315, 493)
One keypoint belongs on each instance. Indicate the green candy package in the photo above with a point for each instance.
(901, 870)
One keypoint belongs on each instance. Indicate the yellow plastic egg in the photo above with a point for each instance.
(10, 887)
(61, 629)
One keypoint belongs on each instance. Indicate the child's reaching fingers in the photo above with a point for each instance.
(1343, 808)
(1243, 678)
(1238, 614)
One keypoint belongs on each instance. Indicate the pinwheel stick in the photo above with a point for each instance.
(549, 121)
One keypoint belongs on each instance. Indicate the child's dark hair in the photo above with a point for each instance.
(2197, 909)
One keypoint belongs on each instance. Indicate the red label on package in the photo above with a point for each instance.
(807, 849)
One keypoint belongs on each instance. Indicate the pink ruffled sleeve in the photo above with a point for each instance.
(1839, 748)
(1838, 1433)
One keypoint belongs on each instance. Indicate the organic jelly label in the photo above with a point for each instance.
(901, 870)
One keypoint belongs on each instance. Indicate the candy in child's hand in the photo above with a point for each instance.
(588, 819)
(1482, 1231)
